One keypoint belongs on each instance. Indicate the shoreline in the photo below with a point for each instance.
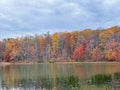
(19, 63)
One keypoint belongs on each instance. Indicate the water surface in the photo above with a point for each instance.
(52, 76)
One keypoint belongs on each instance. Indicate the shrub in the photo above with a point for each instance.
(101, 78)
(117, 76)
(71, 81)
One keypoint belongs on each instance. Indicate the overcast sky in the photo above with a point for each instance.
(28, 17)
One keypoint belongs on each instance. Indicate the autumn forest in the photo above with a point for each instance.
(76, 46)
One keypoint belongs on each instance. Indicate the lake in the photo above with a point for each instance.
(53, 76)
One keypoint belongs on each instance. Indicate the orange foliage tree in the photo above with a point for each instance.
(12, 50)
(113, 51)
(97, 54)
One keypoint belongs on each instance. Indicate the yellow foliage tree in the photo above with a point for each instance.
(55, 41)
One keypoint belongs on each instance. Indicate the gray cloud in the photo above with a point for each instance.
(37, 16)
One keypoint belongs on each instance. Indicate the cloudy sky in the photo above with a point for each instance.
(28, 17)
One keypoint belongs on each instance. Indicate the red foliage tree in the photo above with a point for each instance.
(79, 52)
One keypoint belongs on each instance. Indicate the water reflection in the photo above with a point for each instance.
(39, 84)
(52, 76)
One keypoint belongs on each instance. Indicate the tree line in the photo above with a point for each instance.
(85, 45)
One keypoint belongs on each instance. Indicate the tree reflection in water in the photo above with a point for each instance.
(40, 83)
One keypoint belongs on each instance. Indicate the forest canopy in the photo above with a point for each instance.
(85, 45)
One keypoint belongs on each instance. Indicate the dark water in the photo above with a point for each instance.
(52, 76)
